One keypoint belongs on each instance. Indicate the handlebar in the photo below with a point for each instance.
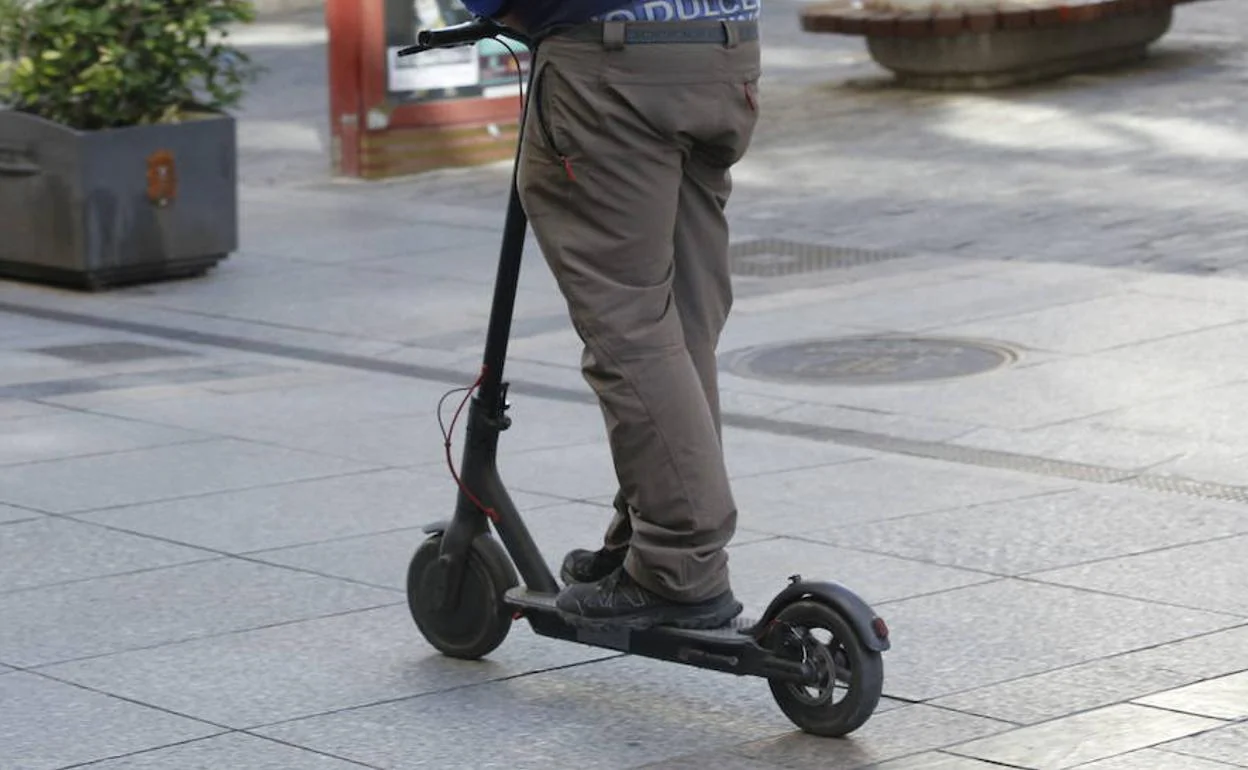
(465, 33)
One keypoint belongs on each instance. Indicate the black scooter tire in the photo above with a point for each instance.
(865, 667)
(480, 621)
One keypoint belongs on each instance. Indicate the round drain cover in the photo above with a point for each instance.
(868, 360)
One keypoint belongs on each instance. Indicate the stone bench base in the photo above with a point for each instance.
(991, 49)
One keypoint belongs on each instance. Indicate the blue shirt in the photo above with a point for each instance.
(683, 10)
(540, 16)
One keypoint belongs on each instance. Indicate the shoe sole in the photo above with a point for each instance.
(710, 619)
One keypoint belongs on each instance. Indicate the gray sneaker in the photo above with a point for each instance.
(585, 566)
(618, 601)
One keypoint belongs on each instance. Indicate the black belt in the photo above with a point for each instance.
(621, 33)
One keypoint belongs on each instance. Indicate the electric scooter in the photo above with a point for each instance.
(817, 644)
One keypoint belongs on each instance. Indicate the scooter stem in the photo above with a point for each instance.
(487, 418)
(506, 285)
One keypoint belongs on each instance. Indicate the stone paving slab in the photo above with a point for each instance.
(1021, 628)
(297, 513)
(718, 759)
(750, 454)
(1149, 672)
(579, 472)
(936, 760)
(99, 393)
(1081, 738)
(74, 435)
(867, 420)
(18, 330)
(268, 416)
(846, 496)
(761, 568)
(16, 409)
(1204, 656)
(1096, 225)
(416, 440)
(83, 351)
(52, 550)
(380, 559)
(112, 614)
(149, 475)
(227, 750)
(1225, 745)
(301, 669)
(119, 319)
(1209, 460)
(1101, 324)
(1017, 398)
(26, 366)
(967, 305)
(1222, 698)
(1096, 443)
(1044, 532)
(363, 237)
(49, 724)
(904, 731)
(96, 389)
(1212, 414)
(1160, 575)
(372, 302)
(9, 514)
(761, 564)
(1152, 759)
(670, 711)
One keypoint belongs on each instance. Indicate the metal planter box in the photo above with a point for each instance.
(96, 209)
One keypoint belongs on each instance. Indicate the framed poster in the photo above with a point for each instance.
(486, 70)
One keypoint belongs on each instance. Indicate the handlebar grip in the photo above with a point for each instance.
(465, 33)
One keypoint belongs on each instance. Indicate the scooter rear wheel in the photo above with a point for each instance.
(473, 624)
(814, 633)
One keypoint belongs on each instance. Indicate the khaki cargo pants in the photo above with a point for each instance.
(624, 175)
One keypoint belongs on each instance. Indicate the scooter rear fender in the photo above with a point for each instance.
(871, 629)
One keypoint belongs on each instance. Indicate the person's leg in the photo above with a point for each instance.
(584, 565)
(703, 285)
(702, 291)
(602, 177)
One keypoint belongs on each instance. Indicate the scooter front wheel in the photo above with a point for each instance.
(474, 621)
(851, 676)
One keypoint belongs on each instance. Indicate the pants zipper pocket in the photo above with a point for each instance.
(538, 98)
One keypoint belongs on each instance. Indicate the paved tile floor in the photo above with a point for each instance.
(209, 490)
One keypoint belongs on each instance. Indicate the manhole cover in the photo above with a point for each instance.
(773, 257)
(109, 352)
(868, 360)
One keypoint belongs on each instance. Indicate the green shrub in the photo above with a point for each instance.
(98, 64)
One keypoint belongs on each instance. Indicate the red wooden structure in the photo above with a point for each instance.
(393, 116)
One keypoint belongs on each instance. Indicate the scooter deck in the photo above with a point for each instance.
(736, 633)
